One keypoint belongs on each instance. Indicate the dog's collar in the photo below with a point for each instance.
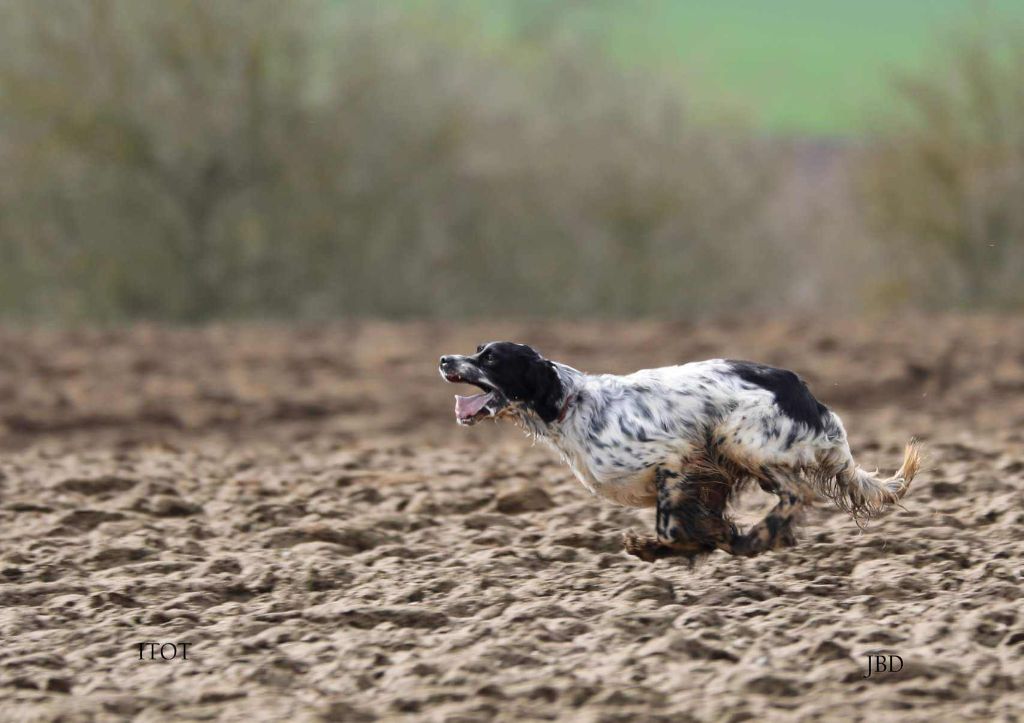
(565, 407)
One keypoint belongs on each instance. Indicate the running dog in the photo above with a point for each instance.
(684, 439)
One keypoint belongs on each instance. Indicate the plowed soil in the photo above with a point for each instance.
(298, 505)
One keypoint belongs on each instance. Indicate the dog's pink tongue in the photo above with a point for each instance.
(466, 407)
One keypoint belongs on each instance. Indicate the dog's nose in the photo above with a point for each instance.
(445, 360)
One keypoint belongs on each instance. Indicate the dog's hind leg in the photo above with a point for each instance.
(774, 532)
(690, 517)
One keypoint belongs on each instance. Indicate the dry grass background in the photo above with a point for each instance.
(299, 505)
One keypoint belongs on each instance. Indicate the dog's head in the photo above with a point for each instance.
(513, 378)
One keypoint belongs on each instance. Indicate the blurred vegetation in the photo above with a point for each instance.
(944, 187)
(188, 160)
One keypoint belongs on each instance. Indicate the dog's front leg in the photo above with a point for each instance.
(689, 518)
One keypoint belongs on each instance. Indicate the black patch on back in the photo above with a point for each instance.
(790, 391)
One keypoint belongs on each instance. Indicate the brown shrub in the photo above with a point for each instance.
(192, 159)
(944, 191)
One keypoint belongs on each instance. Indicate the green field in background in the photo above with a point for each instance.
(800, 66)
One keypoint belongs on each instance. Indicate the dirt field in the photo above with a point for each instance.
(301, 509)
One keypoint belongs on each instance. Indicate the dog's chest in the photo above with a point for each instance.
(632, 490)
(624, 480)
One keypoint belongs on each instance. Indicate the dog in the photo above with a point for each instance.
(683, 439)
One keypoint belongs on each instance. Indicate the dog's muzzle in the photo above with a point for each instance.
(469, 409)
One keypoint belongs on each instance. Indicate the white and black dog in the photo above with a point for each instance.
(683, 439)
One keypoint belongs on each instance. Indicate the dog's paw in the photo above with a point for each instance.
(646, 548)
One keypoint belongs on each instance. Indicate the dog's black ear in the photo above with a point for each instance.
(545, 389)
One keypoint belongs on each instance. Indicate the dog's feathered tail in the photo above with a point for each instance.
(863, 495)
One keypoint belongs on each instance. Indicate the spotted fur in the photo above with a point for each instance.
(685, 439)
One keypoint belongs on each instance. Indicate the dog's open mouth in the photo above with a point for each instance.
(470, 409)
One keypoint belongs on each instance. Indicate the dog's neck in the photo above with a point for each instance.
(572, 382)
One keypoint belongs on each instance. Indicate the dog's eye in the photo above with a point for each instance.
(487, 357)
(479, 348)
